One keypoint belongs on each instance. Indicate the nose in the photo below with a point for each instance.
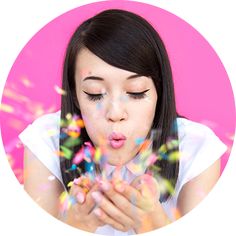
(116, 111)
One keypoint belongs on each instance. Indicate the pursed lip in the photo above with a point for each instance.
(116, 136)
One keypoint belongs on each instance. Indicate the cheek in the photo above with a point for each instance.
(92, 119)
(146, 109)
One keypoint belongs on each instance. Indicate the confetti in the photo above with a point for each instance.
(59, 90)
(6, 108)
(67, 153)
(139, 141)
(15, 96)
(176, 213)
(26, 82)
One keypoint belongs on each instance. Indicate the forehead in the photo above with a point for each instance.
(88, 64)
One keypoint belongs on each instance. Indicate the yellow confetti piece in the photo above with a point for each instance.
(70, 184)
(60, 90)
(26, 82)
(174, 156)
(63, 196)
(15, 96)
(68, 116)
(97, 155)
(51, 132)
(6, 108)
(169, 186)
(162, 149)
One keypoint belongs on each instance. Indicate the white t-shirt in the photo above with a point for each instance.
(198, 145)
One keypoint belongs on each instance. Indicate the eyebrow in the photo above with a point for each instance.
(101, 79)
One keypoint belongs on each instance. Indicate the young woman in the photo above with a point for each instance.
(117, 78)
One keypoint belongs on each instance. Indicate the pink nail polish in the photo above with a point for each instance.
(76, 181)
(97, 212)
(104, 185)
(96, 196)
(80, 197)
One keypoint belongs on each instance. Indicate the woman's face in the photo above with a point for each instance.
(117, 106)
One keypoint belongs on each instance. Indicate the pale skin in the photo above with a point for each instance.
(123, 99)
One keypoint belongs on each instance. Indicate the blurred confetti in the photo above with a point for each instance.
(59, 90)
(6, 108)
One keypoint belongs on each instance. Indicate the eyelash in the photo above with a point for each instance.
(97, 97)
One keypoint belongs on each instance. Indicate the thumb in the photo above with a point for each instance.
(147, 185)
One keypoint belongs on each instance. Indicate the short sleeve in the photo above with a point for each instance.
(199, 148)
(42, 138)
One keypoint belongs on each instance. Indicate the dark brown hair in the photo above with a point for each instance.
(127, 41)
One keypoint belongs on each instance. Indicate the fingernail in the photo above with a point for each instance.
(120, 187)
(139, 186)
(96, 196)
(76, 181)
(97, 212)
(104, 185)
(80, 197)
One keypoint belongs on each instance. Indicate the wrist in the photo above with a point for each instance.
(71, 218)
(153, 220)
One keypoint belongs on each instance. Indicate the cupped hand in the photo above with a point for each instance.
(133, 206)
(80, 213)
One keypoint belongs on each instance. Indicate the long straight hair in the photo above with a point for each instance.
(129, 42)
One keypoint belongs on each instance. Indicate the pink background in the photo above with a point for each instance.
(203, 90)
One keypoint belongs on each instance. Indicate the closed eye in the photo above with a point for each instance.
(94, 97)
(138, 95)
(99, 96)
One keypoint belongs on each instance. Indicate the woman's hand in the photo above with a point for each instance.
(80, 213)
(134, 206)
(152, 214)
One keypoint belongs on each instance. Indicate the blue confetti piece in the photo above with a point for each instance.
(139, 141)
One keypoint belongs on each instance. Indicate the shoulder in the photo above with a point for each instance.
(47, 127)
(189, 128)
(199, 148)
(194, 135)
(51, 120)
(42, 139)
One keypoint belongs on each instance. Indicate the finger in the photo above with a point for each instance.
(129, 192)
(90, 203)
(147, 185)
(126, 205)
(84, 182)
(110, 209)
(85, 201)
(103, 217)
(77, 192)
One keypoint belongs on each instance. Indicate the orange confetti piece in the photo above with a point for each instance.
(145, 145)
(80, 123)
(176, 213)
(73, 134)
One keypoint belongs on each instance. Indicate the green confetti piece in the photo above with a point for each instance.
(67, 152)
(168, 186)
(71, 142)
(174, 156)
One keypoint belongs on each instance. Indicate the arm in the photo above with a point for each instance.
(196, 189)
(36, 183)
(46, 193)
